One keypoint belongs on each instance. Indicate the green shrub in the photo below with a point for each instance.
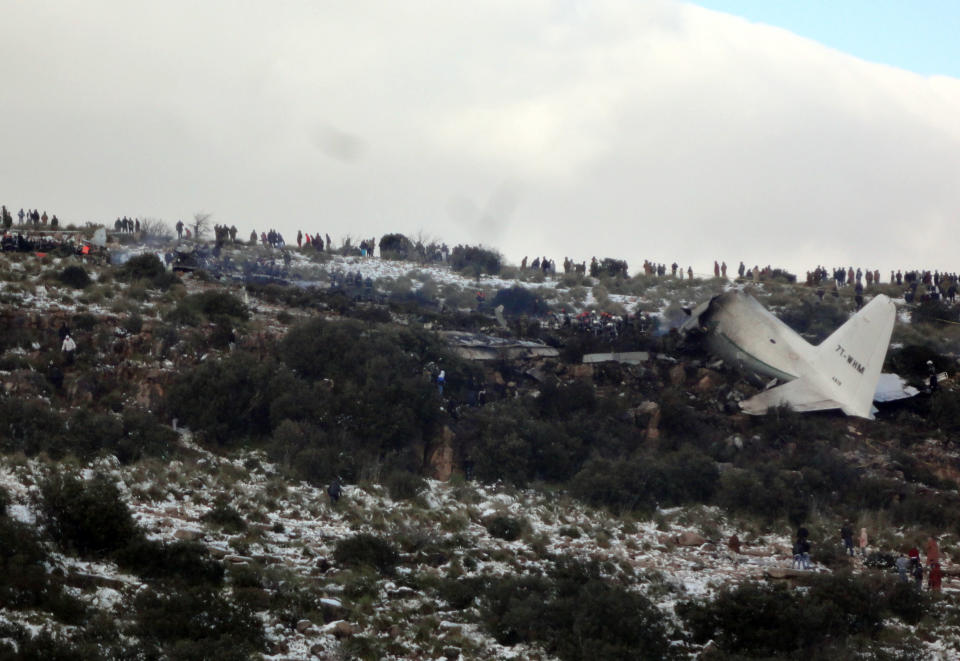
(368, 550)
(404, 485)
(86, 518)
(814, 319)
(16, 642)
(574, 614)
(226, 400)
(934, 312)
(84, 321)
(133, 324)
(766, 492)
(609, 268)
(761, 620)
(24, 580)
(31, 426)
(224, 515)
(147, 267)
(505, 527)
(519, 300)
(644, 482)
(74, 276)
(143, 436)
(475, 260)
(211, 305)
(187, 562)
(396, 246)
(194, 623)
(377, 391)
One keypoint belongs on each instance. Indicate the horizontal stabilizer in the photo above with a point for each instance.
(799, 394)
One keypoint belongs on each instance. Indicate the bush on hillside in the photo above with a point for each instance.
(396, 246)
(404, 485)
(186, 562)
(519, 300)
(147, 267)
(376, 376)
(224, 515)
(505, 527)
(86, 518)
(910, 362)
(74, 276)
(24, 580)
(754, 619)
(475, 260)
(814, 319)
(575, 615)
(210, 305)
(366, 550)
(194, 623)
(766, 492)
(609, 268)
(934, 312)
(226, 400)
(644, 482)
(31, 426)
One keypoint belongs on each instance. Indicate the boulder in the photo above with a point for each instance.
(690, 539)
(303, 625)
(343, 629)
(188, 535)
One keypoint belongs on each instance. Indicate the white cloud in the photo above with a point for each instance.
(640, 130)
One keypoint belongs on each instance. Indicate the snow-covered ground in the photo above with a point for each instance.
(294, 526)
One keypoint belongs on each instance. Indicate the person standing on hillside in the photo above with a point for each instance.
(863, 542)
(803, 545)
(734, 543)
(334, 491)
(846, 534)
(68, 347)
(903, 564)
(917, 573)
(936, 577)
(933, 551)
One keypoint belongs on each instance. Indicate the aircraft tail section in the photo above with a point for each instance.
(850, 359)
(845, 367)
(799, 394)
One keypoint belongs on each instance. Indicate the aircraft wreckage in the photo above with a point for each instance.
(842, 372)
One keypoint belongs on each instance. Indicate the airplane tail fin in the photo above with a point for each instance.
(852, 357)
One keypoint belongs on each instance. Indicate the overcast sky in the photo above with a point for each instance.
(620, 128)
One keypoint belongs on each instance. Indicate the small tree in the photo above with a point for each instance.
(154, 229)
(6, 217)
(395, 246)
(475, 260)
(201, 224)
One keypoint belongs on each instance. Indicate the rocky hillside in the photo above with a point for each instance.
(571, 492)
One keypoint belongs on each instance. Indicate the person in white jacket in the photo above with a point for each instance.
(68, 347)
